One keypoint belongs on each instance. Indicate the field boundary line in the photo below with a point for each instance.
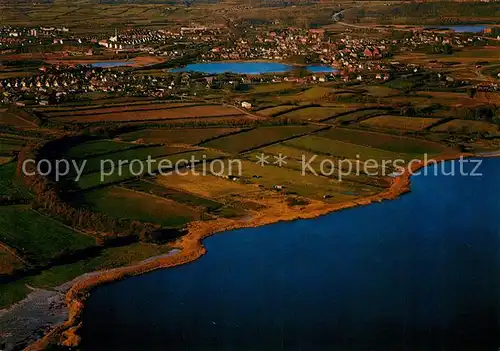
(117, 112)
(153, 158)
(236, 132)
(348, 143)
(283, 140)
(166, 199)
(293, 109)
(147, 180)
(25, 120)
(440, 122)
(342, 114)
(14, 253)
(70, 119)
(65, 225)
(380, 132)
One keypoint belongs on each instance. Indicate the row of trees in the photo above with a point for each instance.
(487, 113)
(48, 201)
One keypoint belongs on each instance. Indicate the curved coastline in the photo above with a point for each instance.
(190, 247)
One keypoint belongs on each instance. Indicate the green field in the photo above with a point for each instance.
(126, 172)
(271, 111)
(272, 87)
(296, 158)
(123, 203)
(37, 237)
(355, 116)
(307, 185)
(315, 93)
(400, 123)
(10, 146)
(315, 113)
(387, 142)
(176, 136)
(381, 91)
(339, 149)
(173, 194)
(257, 137)
(110, 160)
(10, 184)
(96, 147)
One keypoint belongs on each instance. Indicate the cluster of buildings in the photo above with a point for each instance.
(161, 42)
(275, 45)
(359, 54)
(358, 57)
(133, 40)
(420, 39)
(11, 36)
(56, 84)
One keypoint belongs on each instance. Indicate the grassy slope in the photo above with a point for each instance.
(109, 258)
(10, 185)
(37, 236)
(124, 203)
(95, 147)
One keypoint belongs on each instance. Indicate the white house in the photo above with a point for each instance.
(246, 105)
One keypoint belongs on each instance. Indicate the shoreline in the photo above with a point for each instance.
(190, 246)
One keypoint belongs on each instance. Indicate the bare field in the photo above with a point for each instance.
(208, 186)
(88, 111)
(176, 113)
(14, 120)
(400, 123)
(8, 261)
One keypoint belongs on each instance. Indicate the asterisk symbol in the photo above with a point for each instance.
(262, 159)
(280, 160)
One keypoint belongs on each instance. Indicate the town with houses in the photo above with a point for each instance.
(132, 130)
(355, 58)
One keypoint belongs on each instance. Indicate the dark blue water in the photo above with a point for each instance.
(250, 67)
(111, 64)
(418, 273)
(474, 28)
